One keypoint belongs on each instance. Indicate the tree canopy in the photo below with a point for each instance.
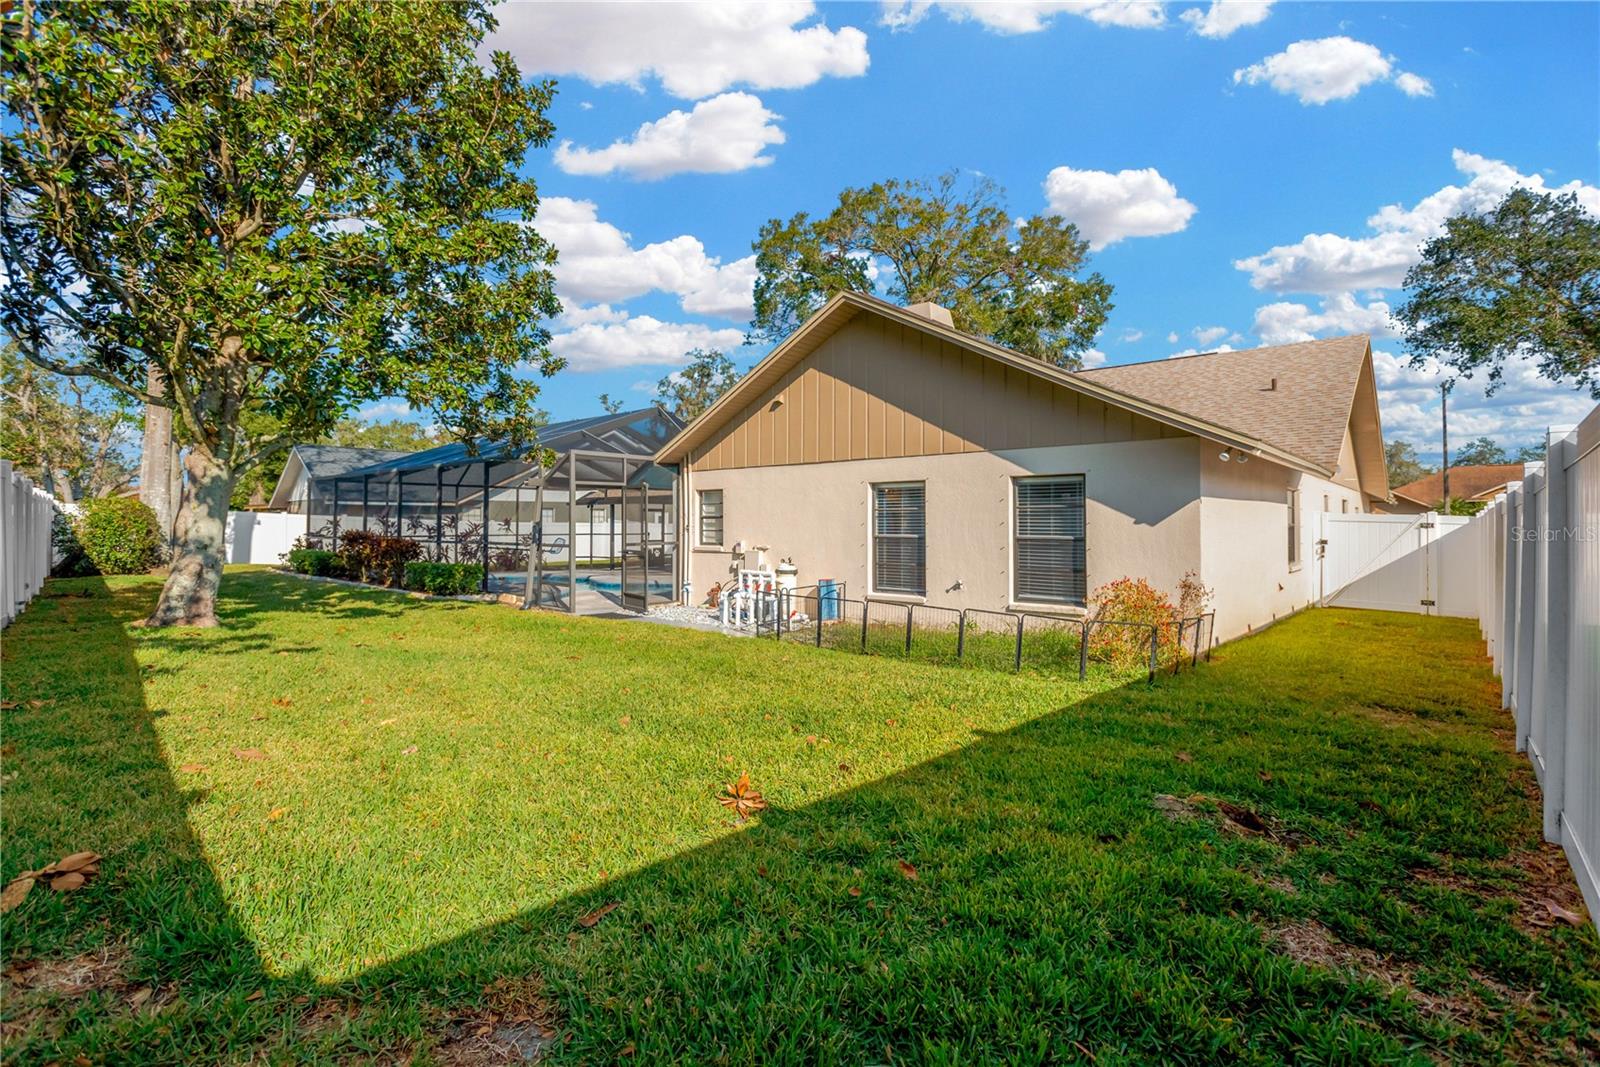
(1523, 278)
(1404, 466)
(287, 209)
(686, 393)
(945, 240)
(72, 439)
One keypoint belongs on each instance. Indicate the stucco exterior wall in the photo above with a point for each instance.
(1142, 516)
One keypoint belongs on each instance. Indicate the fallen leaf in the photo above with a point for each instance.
(282, 702)
(76, 861)
(590, 920)
(388, 722)
(66, 883)
(627, 1050)
(276, 813)
(7, 705)
(854, 891)
(1183, 757)
(741, 798)
(192, 768)
(15, 892)
(257, 995)
(625, 720)
(1571, 918)
(412, 751)
(891, 722)
(249, 753)
(1242, 818)
(907, 869)
(139, 996)
(1265, 776)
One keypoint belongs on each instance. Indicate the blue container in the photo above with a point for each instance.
(827, 600)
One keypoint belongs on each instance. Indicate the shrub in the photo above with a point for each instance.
(316, 561)
(73, 561)
(119, 534)
(444, 579)
(376, 557)
(1130, 600)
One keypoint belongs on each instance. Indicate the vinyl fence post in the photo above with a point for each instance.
(961, 635)
(1155, 637)
(1018, 659)
(1083, 652)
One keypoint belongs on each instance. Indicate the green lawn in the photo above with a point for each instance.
(350, 826)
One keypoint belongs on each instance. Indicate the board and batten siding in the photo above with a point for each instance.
(879, 390)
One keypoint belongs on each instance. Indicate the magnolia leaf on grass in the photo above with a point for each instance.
(15, 892)
(590, 920)
(741, 798)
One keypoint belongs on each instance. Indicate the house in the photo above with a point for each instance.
(1479, 483)
(881, 447)
(307, 463)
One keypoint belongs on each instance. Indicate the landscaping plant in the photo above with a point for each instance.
(316, 561)
(444, 579)
(119, 535)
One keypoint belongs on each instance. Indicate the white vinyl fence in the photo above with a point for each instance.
(1426, 564)
(1541, 541)
(261, 536)
(26, 512)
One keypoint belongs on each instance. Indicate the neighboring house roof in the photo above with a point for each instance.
(323, 461)
(1466, 483)
(1301, 424)
(1297, 396)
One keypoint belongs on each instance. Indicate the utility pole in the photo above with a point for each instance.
(1444, 431)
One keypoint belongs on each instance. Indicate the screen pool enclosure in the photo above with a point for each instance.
(588, 530)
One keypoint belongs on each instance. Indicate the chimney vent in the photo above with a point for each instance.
(1272, 385)
(933, 312)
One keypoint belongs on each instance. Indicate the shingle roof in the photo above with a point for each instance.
(1466, 483)
(1296, 397)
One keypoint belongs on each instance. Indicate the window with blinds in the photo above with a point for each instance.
(711, 517)
(1049, 526)
(900, 538)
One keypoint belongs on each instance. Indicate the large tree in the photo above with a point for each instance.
(949, 241)
(1480, 451)
(1404, 466)
(706, 376)
(1523, 278)
(69, 436)
(284, 208)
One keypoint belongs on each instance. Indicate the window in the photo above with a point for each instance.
(1324, 501)
(1294, 529)
(711, 517)
(1344, 507)
(1049, 528)
(899, 538)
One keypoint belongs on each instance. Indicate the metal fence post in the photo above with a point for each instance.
(1177, 649)
(1194, 661)
(909, 610)
(1155, 637)
(1018, 658)
(1211, 633)
(819, 616)
(961, 635)
(864, 604)
(1083, 652)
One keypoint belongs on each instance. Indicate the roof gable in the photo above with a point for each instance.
(843, 307)
(1466, 483)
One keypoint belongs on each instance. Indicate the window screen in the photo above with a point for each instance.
(899, 538)
(711, 516)
(1294, 528)
(1050, 565)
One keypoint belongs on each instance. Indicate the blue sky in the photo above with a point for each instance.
(1251, 173)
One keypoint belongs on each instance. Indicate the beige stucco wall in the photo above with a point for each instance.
(1142, 516)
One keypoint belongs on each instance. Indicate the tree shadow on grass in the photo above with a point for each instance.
(1018, 900)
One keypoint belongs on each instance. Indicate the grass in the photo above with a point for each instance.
(446, 789)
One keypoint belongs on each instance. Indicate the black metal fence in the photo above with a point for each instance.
(999, 640)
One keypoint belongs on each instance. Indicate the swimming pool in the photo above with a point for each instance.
(608, 584)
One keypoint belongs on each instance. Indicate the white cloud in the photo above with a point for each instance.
(574, 314)
(1330, 263)
(1025, 16)
(1200, 351)
(1108, 207)
(1208, 335)
(388, 411)
(637, 341)
(1172, 338)
(696, 50)
(1285, 323)
(1329, 68)
(719, 136)
(1094, 358)
(1225, 16)
(1413, 84)
(598, 263)
(1524, 407)
(1130, 336)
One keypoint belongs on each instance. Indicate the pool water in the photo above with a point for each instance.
(607, 584)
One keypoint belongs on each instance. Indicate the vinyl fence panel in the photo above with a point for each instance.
(26, 515)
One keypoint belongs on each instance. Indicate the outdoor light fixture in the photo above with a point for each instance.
(1244, 458)
(1226, 455)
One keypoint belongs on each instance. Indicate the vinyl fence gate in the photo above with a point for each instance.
(1426, 564)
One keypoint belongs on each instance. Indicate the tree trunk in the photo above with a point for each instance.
(159, 473)
(189, 597)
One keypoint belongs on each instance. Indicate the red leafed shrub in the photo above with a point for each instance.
(1129, 600)
(376, 557)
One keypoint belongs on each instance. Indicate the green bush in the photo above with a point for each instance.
(119, 534)
(317, 561)
(444, 579)
(73, 562)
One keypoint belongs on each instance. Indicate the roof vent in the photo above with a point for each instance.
(933, 312)
(1272, 385)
